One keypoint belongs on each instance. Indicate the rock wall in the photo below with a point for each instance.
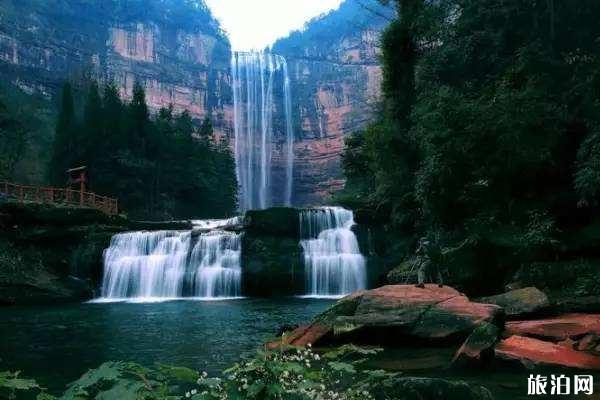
(177, 50)
(51, 254)
(173, 47)
(336, 84)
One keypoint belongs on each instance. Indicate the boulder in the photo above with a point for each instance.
(412, 388)
(301, 336)
(479, 346)
(275, 221)
(520, 302)
(273, 265)
(389, 314)
(533, 353)
(556, 329)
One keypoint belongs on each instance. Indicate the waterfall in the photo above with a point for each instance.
(144, 266)
(255, 77)
(334, 264)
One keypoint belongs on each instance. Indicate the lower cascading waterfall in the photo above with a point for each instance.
(171, 265)
(334, 264)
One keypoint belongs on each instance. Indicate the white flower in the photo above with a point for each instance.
(317, 357)
(188, 394)
(193, 392)
(309, 345)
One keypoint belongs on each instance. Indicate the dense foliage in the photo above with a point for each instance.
(326, 31)
(25, 134)
(158, 167)
(489, 126)
(299, 374)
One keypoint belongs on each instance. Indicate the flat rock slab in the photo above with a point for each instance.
(388, 313)
(534, 353)
(568, 326)
(520, 302)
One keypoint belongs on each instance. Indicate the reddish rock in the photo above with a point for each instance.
(405, 310)
(479, 346)
(556, 329)
(384, 315)
(301, 336)
(570, 343)
(534, 352)
(588, 342)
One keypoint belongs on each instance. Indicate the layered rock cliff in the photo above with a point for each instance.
(177, 50)
(336, 78)
(173, 47)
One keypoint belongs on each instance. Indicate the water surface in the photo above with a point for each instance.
(57, 344)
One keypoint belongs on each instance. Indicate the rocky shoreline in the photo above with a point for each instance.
(484, 335)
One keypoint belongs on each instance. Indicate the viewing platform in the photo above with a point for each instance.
(58, 196)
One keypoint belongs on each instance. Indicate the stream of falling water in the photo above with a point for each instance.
(334, 264)
(165, 265)
(256, 76)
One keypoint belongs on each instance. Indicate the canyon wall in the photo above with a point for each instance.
(177, 50)
(336, 78)
(173, 47)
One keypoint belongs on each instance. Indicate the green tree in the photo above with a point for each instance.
(93, 136)
(13, 141)
(65, 151)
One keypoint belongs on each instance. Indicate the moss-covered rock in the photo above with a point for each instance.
(277, 221)
(520, 302)
(273, 265)
(52, 253)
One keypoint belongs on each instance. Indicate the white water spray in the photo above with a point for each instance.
(254, 79)
(334, 264)
(146, 266)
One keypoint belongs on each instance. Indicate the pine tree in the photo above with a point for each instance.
(12, 142)
(93, 138)
(65, 152)
(113, 118)
(206, 128)
(139, 120)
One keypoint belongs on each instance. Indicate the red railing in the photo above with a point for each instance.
(52, 195)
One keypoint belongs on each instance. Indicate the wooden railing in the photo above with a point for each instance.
(52, 195)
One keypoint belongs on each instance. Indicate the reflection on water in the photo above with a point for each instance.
(57, 344)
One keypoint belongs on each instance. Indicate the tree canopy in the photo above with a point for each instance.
(159, 167)
(489, 122)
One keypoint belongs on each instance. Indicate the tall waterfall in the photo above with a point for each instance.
(256, 76)
(332, 257)
(172, 264)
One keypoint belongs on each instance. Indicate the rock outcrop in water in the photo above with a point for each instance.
(405, 316)
(52, 254)
(390, 315)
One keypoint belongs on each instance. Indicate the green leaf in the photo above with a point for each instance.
(342, 367)
(45, 396)
(123, 389)
(182, 374)
(255, 389)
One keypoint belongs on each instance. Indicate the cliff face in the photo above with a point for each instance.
(177, 50)
(174, 47)
(336, 78)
